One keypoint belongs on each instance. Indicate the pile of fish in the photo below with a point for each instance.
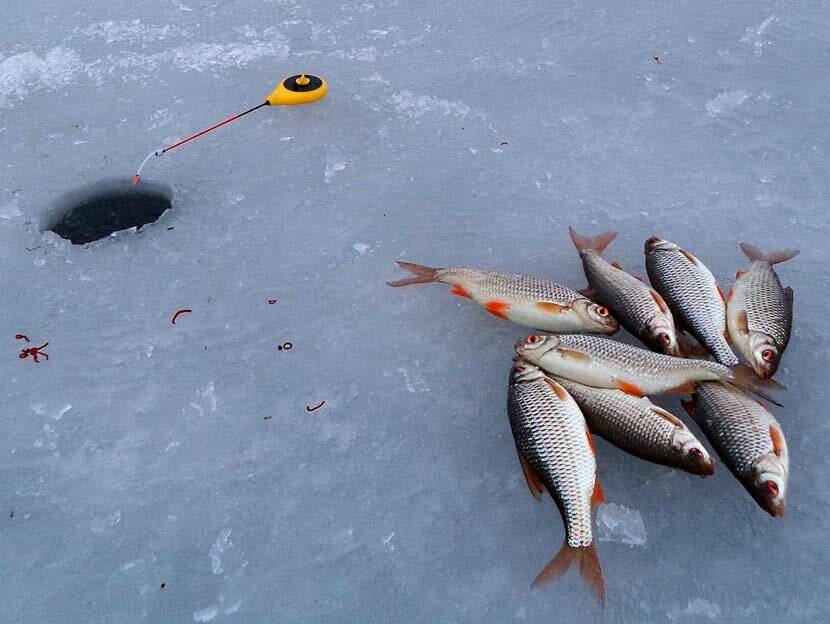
(574, 381)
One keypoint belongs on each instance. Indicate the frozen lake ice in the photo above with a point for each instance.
(173, 473)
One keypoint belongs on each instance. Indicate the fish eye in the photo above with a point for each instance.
(772, 488)
(696, 452)
(602, 310)
(768, 355)
(533, 338)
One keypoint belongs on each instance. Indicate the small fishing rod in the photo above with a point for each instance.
(299, 89)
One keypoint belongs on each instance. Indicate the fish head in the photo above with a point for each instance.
(522, 372)
(692, 455)
(535, 346)
(661, 335)
(595, 318)
(765, 355)
(768, 483)
(655, 243)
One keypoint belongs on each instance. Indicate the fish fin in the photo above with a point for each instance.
(589, 568)
(778, 444)
(534, 483)
(561, 393)
(573, 355)
(775, 257)
(720, 293)
(743, 377)
(661, 303)
(585, 292)
(497, 308)
(690, 257)
(666, 415)
(460, 291)
(738, 275)
(629, 388)
(688, 405)
(590, 441)
(691, 348)
(741, 322)
(728, 295)
(553, 308)
(616, 265)
(423, 275)
(685, 388)
(598, 495)
(598, 243)
(788, 297)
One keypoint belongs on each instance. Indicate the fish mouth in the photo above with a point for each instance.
(655, 243)
(702, 468)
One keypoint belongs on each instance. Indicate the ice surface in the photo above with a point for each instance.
(468, 132)
(617, 523)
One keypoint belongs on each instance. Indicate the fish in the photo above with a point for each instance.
(759, 311)
(692, 294)
(638, 307)
(529, 301)
(557, 455)
(747, 438)
(604, 363)
(638, 426)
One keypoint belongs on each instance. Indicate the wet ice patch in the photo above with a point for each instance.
(725, 101)
(696, 609)
(206, 615)
(10, 210)
(415, 106)
(616, 523)
(27, 73)
(222, 542)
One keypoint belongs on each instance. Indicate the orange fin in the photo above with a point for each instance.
(778, 443)
(498, 308)
(742, 322)
(661, 303)
(573, 355)
(598, 495)
(590, 441)
(616, 265)
(685, 388)
(629, 388)
(720, 292)
(561, 393)
(423, 274)
(534, 483)
(554, 308)
(728, 294)
(690, 257)
(589, 568)
(460, 291)
(598, 243)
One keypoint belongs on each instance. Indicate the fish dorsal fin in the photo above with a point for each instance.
(534, 483)
(666, 415)
(720, 293)
(690, 257)
(659, 301)
(616, 265)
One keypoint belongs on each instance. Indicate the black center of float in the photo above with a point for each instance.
(97, 211)
(292, 85)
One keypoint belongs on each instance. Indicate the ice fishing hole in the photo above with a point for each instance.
(98, 210)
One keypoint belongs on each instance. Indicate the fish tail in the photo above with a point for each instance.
(775, 257)
(589, 568)
(744, 377)
(598, 243)
(423, 274)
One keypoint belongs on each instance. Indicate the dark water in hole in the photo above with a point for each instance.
(96, 211)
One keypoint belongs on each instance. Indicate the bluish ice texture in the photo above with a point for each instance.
(470, 132)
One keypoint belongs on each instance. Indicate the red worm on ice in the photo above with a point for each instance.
(22, 337)
(35, 353)
(182, 311)
(316, 407)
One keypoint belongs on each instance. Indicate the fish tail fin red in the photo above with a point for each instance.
(598, 243)
(589, 568)
(423, 274)
(744, 378)
(775, 257)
